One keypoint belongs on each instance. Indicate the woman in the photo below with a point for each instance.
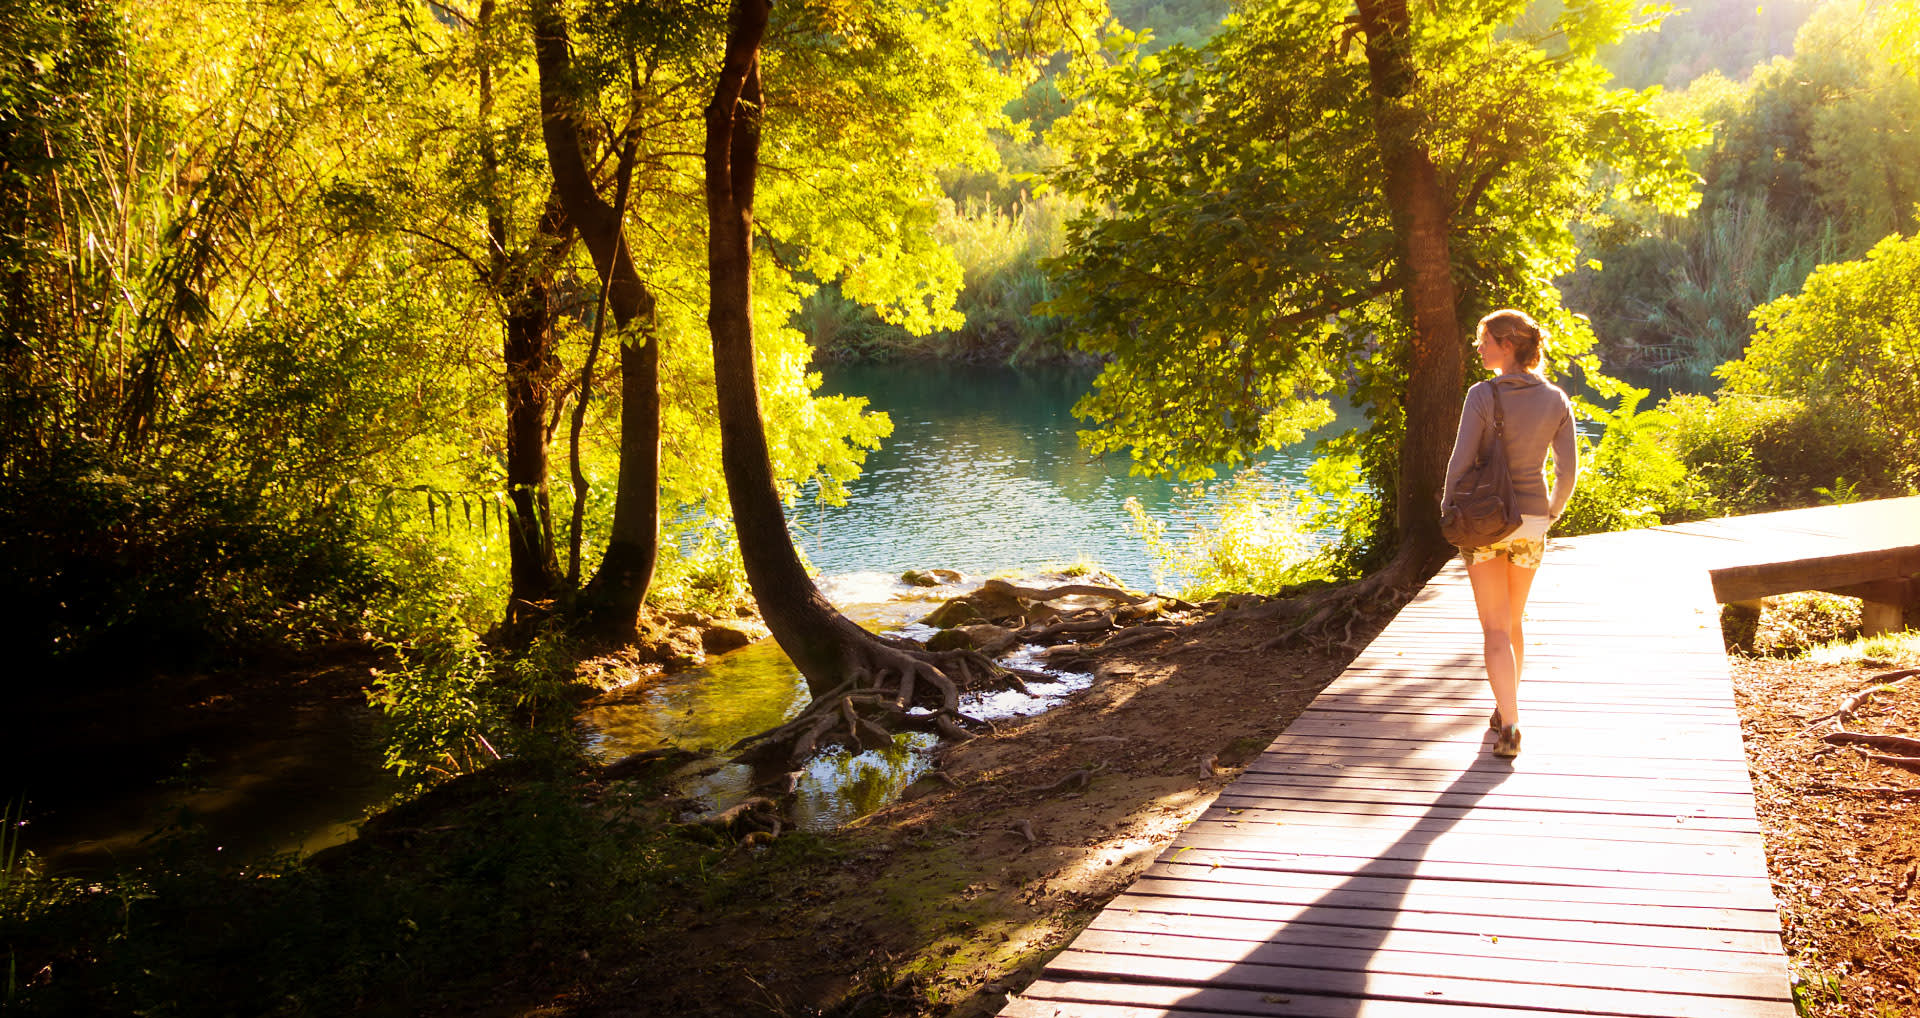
(1537, 416)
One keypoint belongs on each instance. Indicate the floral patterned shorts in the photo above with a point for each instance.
(1524, 552)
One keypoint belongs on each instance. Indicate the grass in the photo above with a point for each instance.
(1886, 649)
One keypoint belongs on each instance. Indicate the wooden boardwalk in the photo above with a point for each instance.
(1378, 861)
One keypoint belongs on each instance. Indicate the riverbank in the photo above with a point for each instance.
(556, 886)
(942, 903)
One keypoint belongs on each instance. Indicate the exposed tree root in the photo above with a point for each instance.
(1905, 763)
(1025, 829)
(1874, 686)
(893, 686)
(1899, 743)
(750, 822)
(1076, 781)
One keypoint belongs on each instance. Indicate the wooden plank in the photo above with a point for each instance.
(1689, 907)
(1451, 757)
(1735, 892)
(1764, 579)
(1233, 799)
(1482, 822)
(1475, 848)
(1280, 761)
(1473, 958)
(1283, 979)
(1068, 998)
(1233, 916)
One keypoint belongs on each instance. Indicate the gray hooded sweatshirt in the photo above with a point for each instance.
(1538, 415)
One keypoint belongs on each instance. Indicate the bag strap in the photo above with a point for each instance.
(1485, 451)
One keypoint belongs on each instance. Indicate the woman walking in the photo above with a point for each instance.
(1537, 416)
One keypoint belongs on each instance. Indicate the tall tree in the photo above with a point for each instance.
(863, 685)
(1284, 214)
(614, 595)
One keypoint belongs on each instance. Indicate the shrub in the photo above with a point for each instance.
(1796, 623)
(1847, 349)
(1631, 477)
(1265, 535)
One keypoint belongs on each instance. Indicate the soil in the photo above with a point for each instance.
(945, 901)
(1842, 833)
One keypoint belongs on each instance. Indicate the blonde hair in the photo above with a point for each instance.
(1518, 332)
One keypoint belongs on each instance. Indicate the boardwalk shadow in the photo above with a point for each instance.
(1329, 921)
(1235, 920)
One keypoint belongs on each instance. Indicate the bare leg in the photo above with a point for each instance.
(1490, 598)
(1519, 584)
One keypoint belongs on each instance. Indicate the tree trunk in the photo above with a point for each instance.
(520, 281)
(614, 595)
(530, 367)
(812, 632)
(1435, 370)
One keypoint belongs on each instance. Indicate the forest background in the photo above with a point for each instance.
(290, 308)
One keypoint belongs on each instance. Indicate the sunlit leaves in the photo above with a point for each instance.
(1239, 261)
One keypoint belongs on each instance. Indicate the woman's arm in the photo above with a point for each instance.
(1565, 466)
(1466, 443)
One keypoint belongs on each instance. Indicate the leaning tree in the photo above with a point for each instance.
(1324, 198)
(863, 685)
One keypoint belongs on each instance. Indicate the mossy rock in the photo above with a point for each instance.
(956, 638)
(952, 614)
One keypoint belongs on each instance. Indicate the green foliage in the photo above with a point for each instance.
(1882, 650)
(1188, 23)
(441, 706)
(1811, 161)
(999, 252)
(1847, 348)
(1238, 262)
(1263, 536)
(1706, 36)
(1631, 477)
(1793, 624)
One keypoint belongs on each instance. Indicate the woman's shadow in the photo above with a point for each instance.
(1299, 920)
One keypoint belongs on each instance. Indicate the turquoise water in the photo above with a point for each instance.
(984, 473)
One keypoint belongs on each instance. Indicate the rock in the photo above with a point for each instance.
(952, 614)
(956, 638)
(682, 649)
(931, 577)
(722, 635)
(988, 639)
